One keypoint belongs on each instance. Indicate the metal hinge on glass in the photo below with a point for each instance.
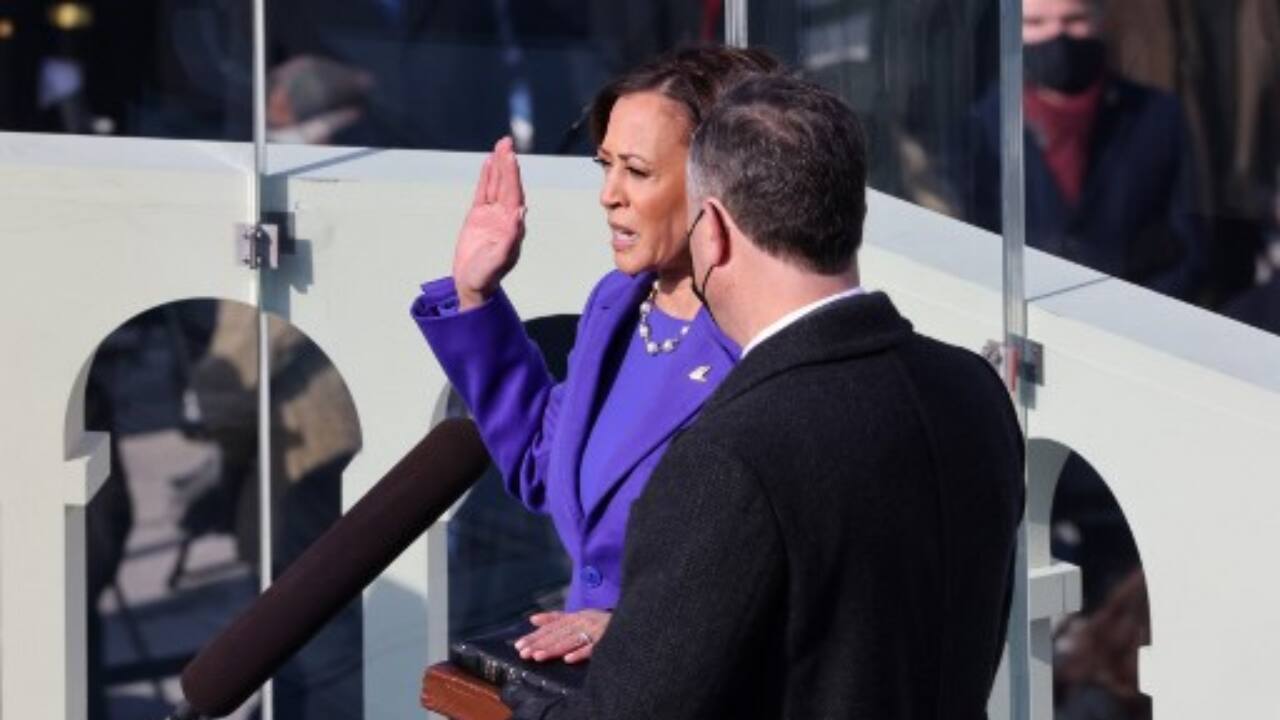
(1020, 359)
(261, 245)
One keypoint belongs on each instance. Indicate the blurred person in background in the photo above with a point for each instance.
(442, 74)
(1260, 305)
(1112, 183)
(1096, 657)
(138, 385)
(453, 75)
(1111, 180)
(399, 73)
(1222, 59)
(75, 66)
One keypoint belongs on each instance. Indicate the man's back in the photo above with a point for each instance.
(892, 464)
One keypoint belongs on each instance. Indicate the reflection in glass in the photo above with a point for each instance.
(164, 571)
(1096, 650)
(1111, 176)
(382, 73)
(172, 538)
(459, 75)
(315, 433)
(1153, 136)
(152, 68)
(1153, 147)
(912, 69)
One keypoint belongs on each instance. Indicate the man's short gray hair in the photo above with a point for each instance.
(788, 160)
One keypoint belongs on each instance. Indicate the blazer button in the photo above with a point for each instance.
(591, 576)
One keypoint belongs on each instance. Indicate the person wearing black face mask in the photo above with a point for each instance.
(1064, 64)
(1110, 177)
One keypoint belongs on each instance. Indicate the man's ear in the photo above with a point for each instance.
(720, 229)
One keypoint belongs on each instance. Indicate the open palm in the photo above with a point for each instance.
(489, 242)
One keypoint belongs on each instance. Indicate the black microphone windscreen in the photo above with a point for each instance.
(336, 568)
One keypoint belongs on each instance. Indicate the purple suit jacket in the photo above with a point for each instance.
(536, 429)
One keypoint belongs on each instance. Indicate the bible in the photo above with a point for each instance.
(494, 659)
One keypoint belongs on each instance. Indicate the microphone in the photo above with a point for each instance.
(333, 571)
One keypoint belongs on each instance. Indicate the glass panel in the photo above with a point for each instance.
(315, 433)
(177, 69)
(930, 79)
(1096, 649)
(173, 537)
(1153, 146)
(1023, 688)
(915, 71)
(412, 74)
(170, 538)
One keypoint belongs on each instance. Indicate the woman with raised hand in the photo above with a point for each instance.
(647, 354)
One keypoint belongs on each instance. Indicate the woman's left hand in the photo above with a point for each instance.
(570, 635)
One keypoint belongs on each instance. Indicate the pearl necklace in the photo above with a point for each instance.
(651, 346)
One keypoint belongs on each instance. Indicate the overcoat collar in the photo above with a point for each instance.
(859, 325)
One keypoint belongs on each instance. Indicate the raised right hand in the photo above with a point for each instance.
(489, 242)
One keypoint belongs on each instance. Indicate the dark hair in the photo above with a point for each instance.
(693, 77)
(788, 160)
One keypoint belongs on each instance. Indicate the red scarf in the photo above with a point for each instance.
(1064, 126)
(709, 31)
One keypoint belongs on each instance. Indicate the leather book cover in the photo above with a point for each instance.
(455, 694)
(493, 658)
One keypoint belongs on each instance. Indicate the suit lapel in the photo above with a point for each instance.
(709, 356)
(610, 316)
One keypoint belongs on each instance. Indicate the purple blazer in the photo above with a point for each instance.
(536, 429)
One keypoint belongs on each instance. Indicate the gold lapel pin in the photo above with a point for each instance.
(700, 373)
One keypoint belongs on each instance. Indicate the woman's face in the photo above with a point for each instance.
(643, 155)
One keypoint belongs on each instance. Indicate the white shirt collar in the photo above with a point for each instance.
(777, 325)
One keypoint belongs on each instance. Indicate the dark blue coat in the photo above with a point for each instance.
(1139, 217)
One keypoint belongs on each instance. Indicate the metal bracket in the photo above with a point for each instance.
(1020, 359)
(261, 245)
(258, 246)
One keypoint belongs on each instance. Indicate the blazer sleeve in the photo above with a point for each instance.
(502, 378)
(703, 581)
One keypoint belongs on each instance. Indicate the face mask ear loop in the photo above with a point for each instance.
(702, 294)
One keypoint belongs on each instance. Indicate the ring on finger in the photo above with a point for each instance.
(585, 637)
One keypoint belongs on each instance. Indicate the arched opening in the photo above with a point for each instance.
(172, 537)
(1095, 650)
